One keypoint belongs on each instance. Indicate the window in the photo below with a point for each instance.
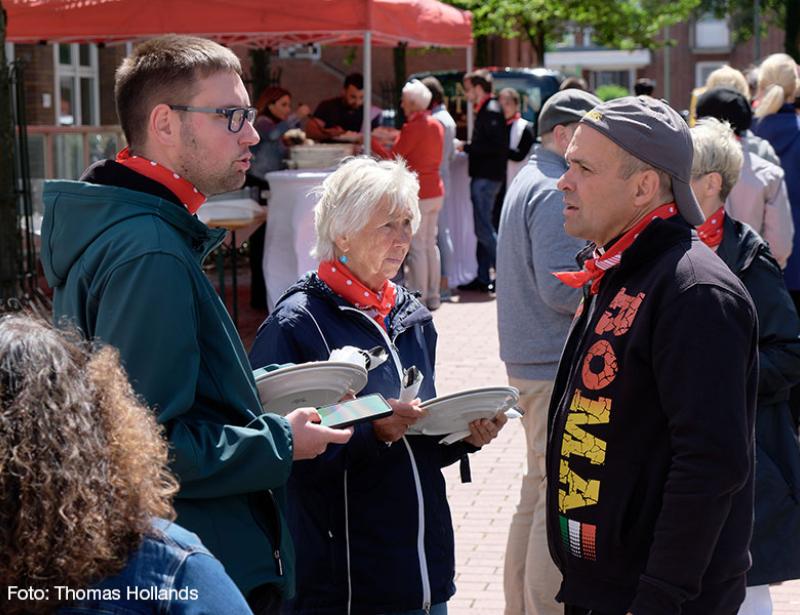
(711, 33)
(10, 52)
(76, 85)
(622, 78)
(702, 70)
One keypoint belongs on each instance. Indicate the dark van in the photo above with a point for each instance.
(535, 86)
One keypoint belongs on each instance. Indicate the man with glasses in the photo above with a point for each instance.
(123, 252)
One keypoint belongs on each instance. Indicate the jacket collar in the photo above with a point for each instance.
(657, 237)
(740, 245)
(407, 312)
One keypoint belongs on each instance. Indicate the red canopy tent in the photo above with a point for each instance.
(253, 23)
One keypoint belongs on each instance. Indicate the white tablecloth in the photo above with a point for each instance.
(456, 215)
(290, 229)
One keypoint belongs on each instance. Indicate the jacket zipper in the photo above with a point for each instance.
(423, 559)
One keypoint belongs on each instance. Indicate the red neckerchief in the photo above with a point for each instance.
(348, 287)
(595, 268)
(479, 106)
(710, 232)
(182, 188)
(513, 119)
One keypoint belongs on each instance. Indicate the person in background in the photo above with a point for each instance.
(86, 494)
(775, 546)
(759, 197)
(778, 123)
(371, 520)
(274, 118)
(729, 77)
(488, 155)
(532, 244)
(445, 240)
(576, 83)
(650, 449)
(123, 252)
(644, 87)
(341, 117)
(520, 132)
(421, 145)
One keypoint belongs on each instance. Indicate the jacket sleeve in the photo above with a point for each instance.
(211, 590)
(292, 336)
(706, 337)
(276, 131)
(162, 357)
(778, 223)
(490, 137)
(551, 250)
(778, 329)
(523, 148)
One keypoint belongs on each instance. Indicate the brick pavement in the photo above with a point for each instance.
(468, 358)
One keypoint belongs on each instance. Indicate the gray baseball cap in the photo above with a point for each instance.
(655, 133)
(565, 107)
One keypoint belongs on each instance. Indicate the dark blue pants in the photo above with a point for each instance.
(483, 193)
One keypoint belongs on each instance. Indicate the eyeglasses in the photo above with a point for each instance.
(236, 115)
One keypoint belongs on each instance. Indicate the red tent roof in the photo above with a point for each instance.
(256, 23)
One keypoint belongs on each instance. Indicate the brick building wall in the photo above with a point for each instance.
(39, 82)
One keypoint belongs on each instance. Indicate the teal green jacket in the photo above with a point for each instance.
(126, 269)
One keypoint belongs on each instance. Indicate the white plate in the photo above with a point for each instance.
(453, 413)
(314, 384)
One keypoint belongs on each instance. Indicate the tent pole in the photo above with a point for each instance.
(366, 130)
(470, 110)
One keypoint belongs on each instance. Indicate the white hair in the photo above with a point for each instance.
(777, 83)
(350, 194)
(716, 150)
(417, 93)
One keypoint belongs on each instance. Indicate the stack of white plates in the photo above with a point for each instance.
(314, 384)
(319, 156)
(451, 414)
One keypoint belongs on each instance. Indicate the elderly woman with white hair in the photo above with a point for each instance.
(370, 519)
(775, 546)
(420, 144)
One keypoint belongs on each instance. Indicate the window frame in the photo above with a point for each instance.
(76, 71)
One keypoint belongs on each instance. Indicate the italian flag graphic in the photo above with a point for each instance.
(579, 538)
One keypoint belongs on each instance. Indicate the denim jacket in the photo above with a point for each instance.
(171, 572)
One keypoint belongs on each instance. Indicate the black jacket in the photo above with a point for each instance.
(650, 449)
(776, 534)
(488, 149)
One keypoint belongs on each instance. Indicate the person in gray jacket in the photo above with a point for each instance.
(534, 314)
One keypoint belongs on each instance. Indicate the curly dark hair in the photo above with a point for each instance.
(82, 462)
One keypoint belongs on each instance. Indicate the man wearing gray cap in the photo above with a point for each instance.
(531, 245)
(650, 450)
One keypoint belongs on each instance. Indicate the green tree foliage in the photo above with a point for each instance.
(782, 13)
(611, 91)
(623, 24)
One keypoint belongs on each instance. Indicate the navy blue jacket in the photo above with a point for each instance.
(782, 130)
(775, 546)
(371, 522)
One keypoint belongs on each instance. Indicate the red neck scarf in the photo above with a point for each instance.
(348, 287)
(513, 118)
(479, 105)
(595, 268)
(710, 232)
(182, 188)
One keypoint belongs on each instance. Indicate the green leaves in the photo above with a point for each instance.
(621, 24)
